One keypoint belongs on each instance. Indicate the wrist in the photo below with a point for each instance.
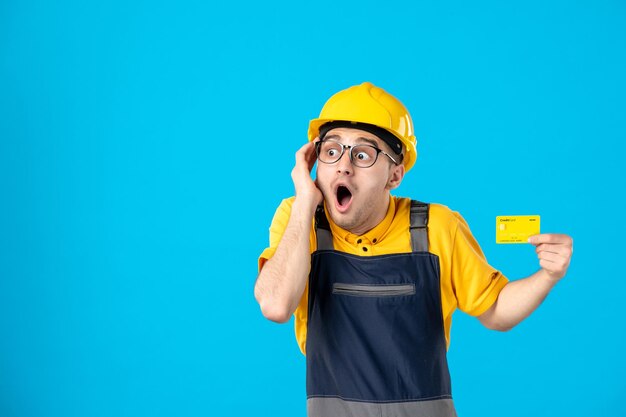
(548, 278)
(305, 203)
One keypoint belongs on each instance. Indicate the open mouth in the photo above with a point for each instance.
(344, 197)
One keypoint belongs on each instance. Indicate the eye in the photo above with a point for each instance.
(331, 150)
(362, 156)
(363, 153)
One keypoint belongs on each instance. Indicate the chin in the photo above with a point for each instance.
(346, 221)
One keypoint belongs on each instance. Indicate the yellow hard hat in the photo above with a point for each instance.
(372, 105)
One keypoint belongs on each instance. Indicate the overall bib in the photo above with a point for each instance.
(375, 336)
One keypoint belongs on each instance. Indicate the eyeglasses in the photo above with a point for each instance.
(362, 156)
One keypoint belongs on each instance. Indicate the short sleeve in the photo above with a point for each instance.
(476, 283)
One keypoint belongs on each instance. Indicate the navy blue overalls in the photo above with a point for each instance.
(375, 336)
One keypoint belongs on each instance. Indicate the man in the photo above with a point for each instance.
(373, 279)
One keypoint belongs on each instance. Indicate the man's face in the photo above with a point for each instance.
(357, 198)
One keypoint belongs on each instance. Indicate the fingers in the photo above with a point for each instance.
(554, 238)
(301, 174)
(312, 156)
(563, 250)
(555, 264)
(554, 252)
(306, 155)
(551, 257)
(302, 153)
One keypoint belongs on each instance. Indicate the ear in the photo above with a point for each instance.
(396, 174)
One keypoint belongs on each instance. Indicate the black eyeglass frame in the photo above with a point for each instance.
(343, 150)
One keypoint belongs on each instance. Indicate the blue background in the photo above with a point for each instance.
(144, 147)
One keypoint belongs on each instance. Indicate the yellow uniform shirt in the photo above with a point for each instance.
(468, 282)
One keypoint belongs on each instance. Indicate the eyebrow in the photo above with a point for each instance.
(360, 138)
(368, 140)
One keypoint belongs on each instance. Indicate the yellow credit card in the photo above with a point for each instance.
(516, 229)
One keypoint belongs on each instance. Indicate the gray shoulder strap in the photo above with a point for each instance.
(419, 226)
(322, 230)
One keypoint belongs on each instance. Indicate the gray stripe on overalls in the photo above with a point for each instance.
(330, 407)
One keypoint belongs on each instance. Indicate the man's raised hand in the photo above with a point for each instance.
(306, 189)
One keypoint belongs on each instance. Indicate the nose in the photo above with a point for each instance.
(344, 164)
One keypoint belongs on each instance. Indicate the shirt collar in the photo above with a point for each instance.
(372, 236)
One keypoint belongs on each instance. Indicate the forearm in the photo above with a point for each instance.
(282, 279)
(517, 300)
